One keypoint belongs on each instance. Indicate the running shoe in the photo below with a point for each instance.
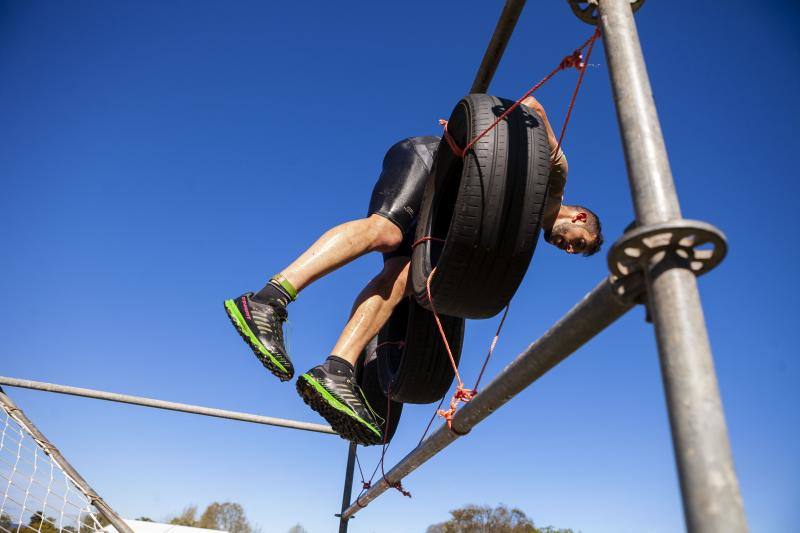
(261, 327)
(342, 403)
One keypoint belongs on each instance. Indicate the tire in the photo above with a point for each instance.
(420, 371)
(486, 207)
(367, 379)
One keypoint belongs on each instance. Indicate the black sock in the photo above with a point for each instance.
(337, 365)
(272, 293)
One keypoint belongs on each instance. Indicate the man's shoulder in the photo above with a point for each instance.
(425, 146)
(427, 139)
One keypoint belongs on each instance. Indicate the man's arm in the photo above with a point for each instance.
(558, 172)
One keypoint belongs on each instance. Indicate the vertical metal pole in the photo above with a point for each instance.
(348, 485)
(710, 490)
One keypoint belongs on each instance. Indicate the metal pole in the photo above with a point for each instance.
(162, 404)
(497, 45)
(710, 490)
(98, 502)
(598, 309)
(348, 485)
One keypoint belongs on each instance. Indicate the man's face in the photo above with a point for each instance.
(573, 238)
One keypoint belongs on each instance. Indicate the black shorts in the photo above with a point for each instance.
(397, 195)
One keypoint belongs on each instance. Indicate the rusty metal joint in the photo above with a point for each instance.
(586, 10)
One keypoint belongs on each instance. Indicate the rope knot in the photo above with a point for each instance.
(574, 60)
(399, 487)
(452, 142)
(462, 395)
(366, 485)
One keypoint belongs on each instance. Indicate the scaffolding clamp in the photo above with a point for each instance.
(690, 244)
(586, 10)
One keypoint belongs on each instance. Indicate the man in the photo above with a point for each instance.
(389, 228)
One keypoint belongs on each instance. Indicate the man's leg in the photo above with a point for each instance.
(372, 308)
(339, 246)
(393, 205)
(259, 317)
(329, 388)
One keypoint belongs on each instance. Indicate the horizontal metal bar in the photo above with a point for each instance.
(162, 404)
(598, 309)
(497, 45)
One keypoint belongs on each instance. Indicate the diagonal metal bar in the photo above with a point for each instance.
(497, 45)
(598, 309)
(48, 447)
(162, 404)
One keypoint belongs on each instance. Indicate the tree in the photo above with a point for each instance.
(44, 525)
(226, 516)
(297, 528)
(188, 517)
(484, 519)
(6, 523)
(144, 519)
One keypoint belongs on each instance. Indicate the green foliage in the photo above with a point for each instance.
(297, 528)
(227, 516)
(38, 522)
(188, 517)
(144, 519)
(6, 523)
(485, 519)
(92, 521)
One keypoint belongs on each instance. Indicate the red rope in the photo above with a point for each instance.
(399, 485)
(463, 394)
(582, 67)
(574, 60)
(425, 239)
(430, 422)
(366, 485)
(491, 347)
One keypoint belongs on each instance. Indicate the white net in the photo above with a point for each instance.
(35, 492)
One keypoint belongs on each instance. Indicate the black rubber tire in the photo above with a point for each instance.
(367, 379)
(420, 371)
(486, 207)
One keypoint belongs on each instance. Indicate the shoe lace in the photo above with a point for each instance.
(286, 337)
(281, 317)
(368, 406)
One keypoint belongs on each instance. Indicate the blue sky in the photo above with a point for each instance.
(157, 158)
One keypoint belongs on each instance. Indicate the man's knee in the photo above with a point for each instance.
(386, 235)
(393, 279)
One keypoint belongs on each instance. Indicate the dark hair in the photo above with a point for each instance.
(592, 224)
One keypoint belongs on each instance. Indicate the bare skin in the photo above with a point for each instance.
(563, 223)
(372, 308)
(340, 245)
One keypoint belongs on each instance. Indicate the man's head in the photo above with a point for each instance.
(576, 230)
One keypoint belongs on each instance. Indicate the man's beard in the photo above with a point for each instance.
(549, 233)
